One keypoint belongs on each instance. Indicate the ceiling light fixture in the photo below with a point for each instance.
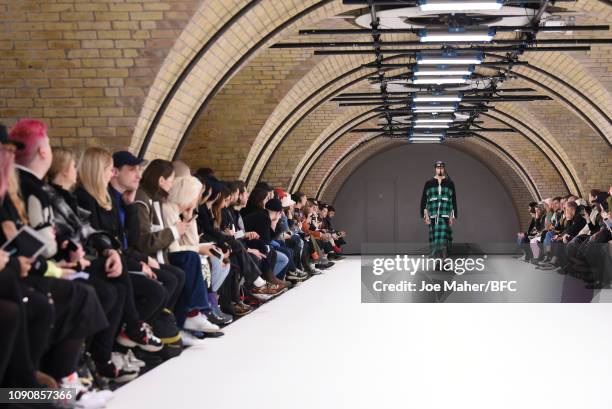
(440, 70)
(441, 80)
(433, 120)
(469, 5)
(433, 110)
(436, 97)
(430, 126)
(427, 134)
(449, 58)
(455, 34)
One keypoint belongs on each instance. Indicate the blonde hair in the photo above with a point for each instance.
(91, 173)
(14, 193)
(61, 160)
(185, 191)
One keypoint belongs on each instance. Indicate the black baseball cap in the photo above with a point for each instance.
(4, 139)
(440, 163)
(275, 205)
(123, 158)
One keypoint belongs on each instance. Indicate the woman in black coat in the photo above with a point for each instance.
(144, 296)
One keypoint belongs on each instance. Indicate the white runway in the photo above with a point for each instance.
(318, 347)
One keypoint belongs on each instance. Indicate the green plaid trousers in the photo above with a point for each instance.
(439, 205)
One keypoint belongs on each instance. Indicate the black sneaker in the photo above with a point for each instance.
(296, 276)
(141, 337)
(165, 328)
(114, 372)
(216, 319)
(324, 266)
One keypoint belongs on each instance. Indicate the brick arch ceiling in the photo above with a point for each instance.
(531, 165)
(275, 137)
(230, 32)
(331, 137)
(334, 7)
(286, 125)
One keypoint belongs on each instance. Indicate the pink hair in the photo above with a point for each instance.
(29, 132)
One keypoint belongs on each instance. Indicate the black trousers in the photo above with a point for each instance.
(526, 247)
(173, 280)
(26, 317)
(144, 297)
(112, 296)
(78, 315)
(599, 255)
(10, 319)
(24, 333)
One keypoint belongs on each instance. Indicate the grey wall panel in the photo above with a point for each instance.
(380, 201)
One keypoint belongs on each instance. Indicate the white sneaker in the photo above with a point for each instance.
(131, 358)
(86, 399)
(91, 400)
(190, 340)
(201, 324)
(121, 361)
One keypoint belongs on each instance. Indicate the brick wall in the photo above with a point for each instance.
(84, 67)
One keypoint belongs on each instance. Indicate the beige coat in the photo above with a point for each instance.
(190, 241)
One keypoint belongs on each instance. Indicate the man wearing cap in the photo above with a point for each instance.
(439, 210)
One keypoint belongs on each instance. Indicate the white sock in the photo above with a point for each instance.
(259, 282)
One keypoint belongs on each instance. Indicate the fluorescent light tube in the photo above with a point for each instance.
(431, 126)
(426, 134)
(437, 71)
(423, 141)
(433, 120)
(440, 80)
(446, 5)
(434, 106)
(437, 98)
(433, 110)
(449, 58)
(455, 34)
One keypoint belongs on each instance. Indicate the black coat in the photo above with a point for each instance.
(573, 226)
(259, 222)
(108, 221)
(206, 227)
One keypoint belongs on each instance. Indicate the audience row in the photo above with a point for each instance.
(572, 236)
(135, 260)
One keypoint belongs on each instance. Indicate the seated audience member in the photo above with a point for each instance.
(71, 230)
(527, 239)
(261, 215)
(122, 189)
(338, 235)
(281, 240)
(310, 226)
(295, 223)
(182, 202)
(144, 295)
(290, 240)
(155, 238)
(574, 222)
(26, 315)
(246, 263)
(78, 313)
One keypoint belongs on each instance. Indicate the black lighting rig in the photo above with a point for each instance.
(455, 69)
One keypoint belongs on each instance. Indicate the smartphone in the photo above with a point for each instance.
(217, 253)
(193, 216)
